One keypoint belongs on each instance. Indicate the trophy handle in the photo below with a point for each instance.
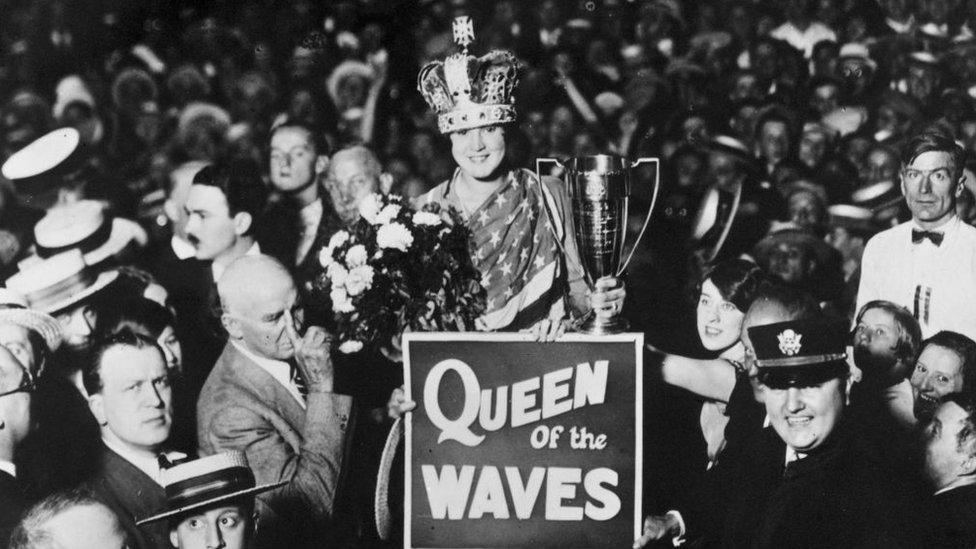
(657, 187)
(540, 161)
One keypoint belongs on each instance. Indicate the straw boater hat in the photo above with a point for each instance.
(45, 163)
(714, 219)
(85, 226)
(207, 481)
(56, 283)
(470, 92)
(14, 310)
(855, 219)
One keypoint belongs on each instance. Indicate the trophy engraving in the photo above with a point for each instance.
(599, 192)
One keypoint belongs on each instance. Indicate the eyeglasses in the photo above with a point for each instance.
(937, 175)
(28, 385)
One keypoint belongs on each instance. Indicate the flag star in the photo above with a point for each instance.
(485, 279)
(535, 238)
(515, 184)
(508, 292)
(539, 261)
(495, 237)
(531, 214)
(506, 268)
(509, 219)
(500, 200)
(483, 217)
(524, 254)
(479, 255)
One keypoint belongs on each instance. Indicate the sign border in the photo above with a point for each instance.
(636, 337)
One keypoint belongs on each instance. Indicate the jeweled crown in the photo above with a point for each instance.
(467, 91)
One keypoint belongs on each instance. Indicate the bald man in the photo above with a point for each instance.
(270, 395)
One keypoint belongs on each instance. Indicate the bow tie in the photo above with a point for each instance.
(934, 237)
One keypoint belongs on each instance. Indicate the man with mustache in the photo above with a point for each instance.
(947, 364)
(131, 400)
(928, 264)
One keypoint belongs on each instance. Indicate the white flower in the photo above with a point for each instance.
(359, 280)
(387, 214)
(394, 235)
(337, 274)
(426, 218)
(340, 301)
(338, 239)
(351, 346)
(356, 256)
(325, 257)
(369, 207)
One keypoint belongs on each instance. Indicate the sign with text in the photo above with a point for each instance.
(516, 443)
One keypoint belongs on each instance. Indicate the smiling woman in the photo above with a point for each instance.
(520, 224)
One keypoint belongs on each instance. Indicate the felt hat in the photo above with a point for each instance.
(84, 225)
(857, 53)
(46, 163)
(54, 284)
(15, 310)
(207, 481)
(467, 91)
(787, 233)
(800, 353)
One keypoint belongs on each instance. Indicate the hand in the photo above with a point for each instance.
(607, 300)
(398, 403)
(656, 527)
(313, 354)
(547, 330)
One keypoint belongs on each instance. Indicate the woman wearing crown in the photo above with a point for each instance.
(520, 225)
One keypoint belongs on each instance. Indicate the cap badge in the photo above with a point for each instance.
(789, 342)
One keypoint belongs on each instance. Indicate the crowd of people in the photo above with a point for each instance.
(172, 170)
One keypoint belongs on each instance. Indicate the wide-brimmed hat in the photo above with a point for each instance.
(732, 146)
(858, 53)
(714, 219)
(84, 225)
(56, 283)
(853, 218)
(207, 481)
(794, 236)
(800, 353)
(878, 196)
(45, 163)
(14, 310)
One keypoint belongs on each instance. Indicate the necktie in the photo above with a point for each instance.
(934, 237)
(298, 380)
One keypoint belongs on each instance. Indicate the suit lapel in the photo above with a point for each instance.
(139, 493)
(266, 387)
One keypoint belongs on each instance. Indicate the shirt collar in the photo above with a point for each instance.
(312, 213)
(278, 369)
(946, 228)
(218, 270)
(146, 464)
(9, 468)
(182, 248)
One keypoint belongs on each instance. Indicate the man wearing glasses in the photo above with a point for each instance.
(16, 386)
(928, 264)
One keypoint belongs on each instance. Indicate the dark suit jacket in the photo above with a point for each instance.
(279, 233)
(133, 496)
(242, 407)
(841, 495)
(11, 506)
(954, 518)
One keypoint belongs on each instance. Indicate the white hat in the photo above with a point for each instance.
(14, 310)
(45, 155)
(56, 283)
(70, 89)
(84, 225)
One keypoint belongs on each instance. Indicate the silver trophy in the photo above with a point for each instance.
(599, 191)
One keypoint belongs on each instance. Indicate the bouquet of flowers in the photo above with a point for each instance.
(397, 269)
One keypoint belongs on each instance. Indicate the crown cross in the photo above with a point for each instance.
(463, 32)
